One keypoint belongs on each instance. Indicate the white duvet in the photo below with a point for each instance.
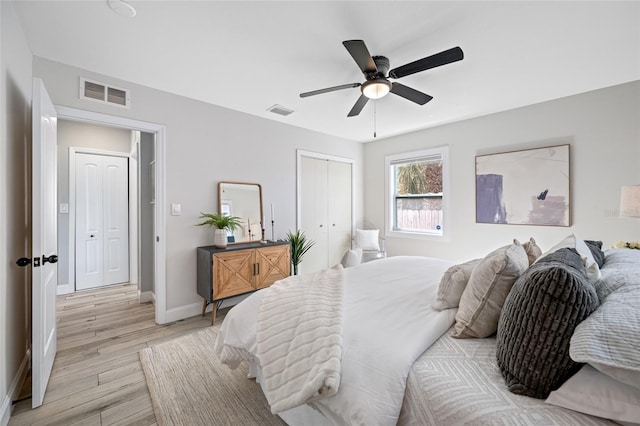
(387, 323)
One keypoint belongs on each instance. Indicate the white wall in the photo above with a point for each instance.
(603, 129)
(207, 144)
(79, 135)
(15, 205)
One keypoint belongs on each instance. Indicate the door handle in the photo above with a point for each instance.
(23, 261)
(51, 259)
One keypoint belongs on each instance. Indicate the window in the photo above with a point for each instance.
(417, 186)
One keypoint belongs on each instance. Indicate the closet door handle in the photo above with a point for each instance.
(51, 259)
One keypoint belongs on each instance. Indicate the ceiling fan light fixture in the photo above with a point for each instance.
(376, 89)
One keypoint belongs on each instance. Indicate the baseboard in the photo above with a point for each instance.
(191, 310)
(5, 411)
(64, 289)
(182, 312)
(146, 296)
(14, 390)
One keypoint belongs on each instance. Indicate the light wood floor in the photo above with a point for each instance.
(97, 377)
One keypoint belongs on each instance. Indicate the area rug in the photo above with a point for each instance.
(190, 386)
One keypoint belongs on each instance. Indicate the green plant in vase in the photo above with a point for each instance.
(222, 224)
(299, 246)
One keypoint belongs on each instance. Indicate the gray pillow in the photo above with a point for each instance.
(538, 318)
(596, 251)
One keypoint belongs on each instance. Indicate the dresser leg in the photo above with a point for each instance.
(214, 310)
(204, 306)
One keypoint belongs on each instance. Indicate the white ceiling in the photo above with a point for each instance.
(248, 56)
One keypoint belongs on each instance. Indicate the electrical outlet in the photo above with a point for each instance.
(176, 209)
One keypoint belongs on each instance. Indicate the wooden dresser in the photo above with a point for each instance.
(240, 269)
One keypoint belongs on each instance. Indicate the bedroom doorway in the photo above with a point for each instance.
(154, 135)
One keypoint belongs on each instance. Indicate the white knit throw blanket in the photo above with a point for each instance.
(299, 338)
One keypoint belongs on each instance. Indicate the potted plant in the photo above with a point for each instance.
(222, 224)
(299, 246)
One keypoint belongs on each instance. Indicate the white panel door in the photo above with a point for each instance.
(89, 246)
(116, 220)
(338, 210)
(314, 212)
(102, 227)
(44, 240)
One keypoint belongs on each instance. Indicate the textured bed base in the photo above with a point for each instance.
(457, 381)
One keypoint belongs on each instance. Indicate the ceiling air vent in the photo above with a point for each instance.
(100, 92)
(279, 109)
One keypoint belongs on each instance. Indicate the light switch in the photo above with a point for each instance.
(176, 209)
(64, 208)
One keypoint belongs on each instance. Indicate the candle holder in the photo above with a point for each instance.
(273, 232)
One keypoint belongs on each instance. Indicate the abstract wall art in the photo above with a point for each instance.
(528, 187)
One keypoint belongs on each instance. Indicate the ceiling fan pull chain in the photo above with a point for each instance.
(375, 103)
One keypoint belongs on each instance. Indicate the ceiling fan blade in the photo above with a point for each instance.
(411, 94)
(360, 103)
(329, 89)
(443, 58)
(361, 55)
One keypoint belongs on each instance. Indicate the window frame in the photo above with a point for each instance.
(390, 207)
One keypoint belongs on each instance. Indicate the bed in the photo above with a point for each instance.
(398, 366)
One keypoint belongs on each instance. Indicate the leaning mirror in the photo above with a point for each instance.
(242, 200)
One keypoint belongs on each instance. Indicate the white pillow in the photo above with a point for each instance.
(367, 239)
(352, 258)
(571, 241)
(452, 284)
(592, 392)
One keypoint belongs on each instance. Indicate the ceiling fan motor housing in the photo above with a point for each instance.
(382, 63)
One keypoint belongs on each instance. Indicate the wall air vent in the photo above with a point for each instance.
(279, 109)
(100, 92)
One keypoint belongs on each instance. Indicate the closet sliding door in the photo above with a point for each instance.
(325, 208)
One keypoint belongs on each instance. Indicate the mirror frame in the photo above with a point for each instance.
(262, 225)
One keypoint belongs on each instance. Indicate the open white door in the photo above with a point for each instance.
(45, 241)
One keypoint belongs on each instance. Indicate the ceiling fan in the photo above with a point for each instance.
(377, 75)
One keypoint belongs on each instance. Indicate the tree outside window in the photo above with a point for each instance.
(417, 192)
